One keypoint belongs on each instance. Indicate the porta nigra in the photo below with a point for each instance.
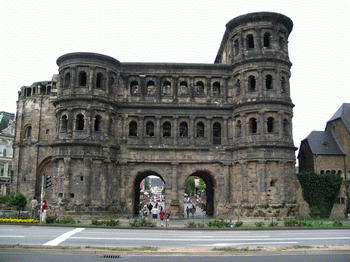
(101, 126)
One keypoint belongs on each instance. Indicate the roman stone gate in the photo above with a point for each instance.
(107, 124)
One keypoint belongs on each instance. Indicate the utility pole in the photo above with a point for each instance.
(43, 177)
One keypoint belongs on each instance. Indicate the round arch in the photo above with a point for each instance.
(209, 191)
(136, 187)
(44, 167)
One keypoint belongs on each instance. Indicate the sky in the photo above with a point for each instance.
(33, 34)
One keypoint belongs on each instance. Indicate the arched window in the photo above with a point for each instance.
(166, 129)
(80, 122)
(273, 182)
(200, 88)
(132, 128)
(97, 124)
(66, 81)
(236, 46)
(151, 88)
(134, 88)
(253, 125)
(183, 129)
(167, 88)
(268, 82)
(238, 87)
(28, 132)
(200, 129)
(250, 41)
(99, 80)
(64, 123)
(322, 172)
(285, 127)
(270, 125)
(82, 78)
(183, 89)
(216, 133)
(283, 84)
(150, 129)
(239, 128)
(110, 125)
(251, 83)
(267, 37)
(216, 89)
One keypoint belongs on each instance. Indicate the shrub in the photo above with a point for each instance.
(51, 219)
(273, 224)
(112, 223)
(259, 224)
(143, 222)
(314, 212)
(66, 221)
(290, 222)
(238, 224)
(337, 223)
(191, 224)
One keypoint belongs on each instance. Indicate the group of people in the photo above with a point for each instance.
(190, 210)
(35, 209)
(154, 211)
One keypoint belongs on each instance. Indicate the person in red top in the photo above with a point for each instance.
(43, 215)
(161, 216)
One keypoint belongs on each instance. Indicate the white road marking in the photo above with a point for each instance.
(63, 237)
(239, 244)
(10, 236)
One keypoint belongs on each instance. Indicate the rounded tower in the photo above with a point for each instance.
(256, 47)
(85, 146)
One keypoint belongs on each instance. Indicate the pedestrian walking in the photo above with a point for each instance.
(188, 211)
(155, 213)
(43, 215)
(161, 216)
(33, 208)
(167, 217)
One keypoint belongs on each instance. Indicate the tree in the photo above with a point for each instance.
(147, 184)
(190, 185)
(201, 185)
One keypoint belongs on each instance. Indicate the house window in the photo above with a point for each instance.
(270, 125)
(64, 123)
(28, 132)
(166, 129)
(82, 78)
(267, 39)
(80, 122)
(150, 129)
(250, 41)
(216, 133)
(253, 125)
(251, 83)
(183, 129)
(268, 82)
(97, 124)
(132, 128)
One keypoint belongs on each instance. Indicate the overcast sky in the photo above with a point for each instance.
(35, 33)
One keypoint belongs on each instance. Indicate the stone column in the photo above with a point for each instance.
(67, 177)
(225, 131)
(70, 123)
(175, 88)
(175, 203)
(260, 82)
(191, 131)
(208, 129)
(244, 84)
(283, 171)
(227, 182)
(175, 130)
(87, 181)
(261, 124)
(224, 89)
(244, 176)
(141, 129)
(158, 129)
(91, 82)
(263, 182)
(280, 124)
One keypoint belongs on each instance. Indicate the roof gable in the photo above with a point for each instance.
(323, 143)
(343, 113)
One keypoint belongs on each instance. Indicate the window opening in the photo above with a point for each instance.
(64, 123)
(268, 82)
(200, 88)
(28, 132)
(239, 128)
(132, 128)
(150, 129)
(267, 40)
(183, 129)
(134, 88)
(97, 123)
(183, 89)
(80, 122)
(216, 89)
(236, 46)
(167, 88)
(99, 80)
(110, 125)
(200, 129)
(151, 88)
(166, 129)
(216, 133)
(253, 125)
(283, 84)
(250, 40)
(270, 125)
(285, 126)
(82, 78)
(252, 83)
(66, 81)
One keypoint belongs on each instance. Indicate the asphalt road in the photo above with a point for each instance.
(108, 237)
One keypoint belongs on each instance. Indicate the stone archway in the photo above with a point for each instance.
(209, 191)
(136, 188)
(44, 167)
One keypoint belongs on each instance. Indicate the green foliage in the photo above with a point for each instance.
(259, 224)
(105, 222)
(191, 224)
(273, 224)
(320, 190)
(6, 200)
(314, 212)
(18, 200)
(220, 223)
(147, 184)
(190, 185)
(337, 223)
(347, 204)
(201, 185)
(290, 222)
(143, 222)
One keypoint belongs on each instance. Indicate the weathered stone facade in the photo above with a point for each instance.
(105, 125)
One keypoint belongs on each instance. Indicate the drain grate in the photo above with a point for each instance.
(111, 256)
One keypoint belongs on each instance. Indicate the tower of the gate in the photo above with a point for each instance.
(256, 45)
